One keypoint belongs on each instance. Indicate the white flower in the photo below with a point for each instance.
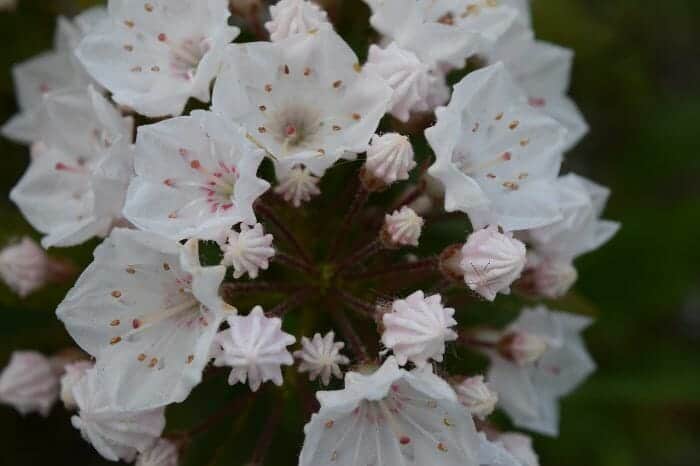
(290, 17)
(496, 156)
(154, 55)
(417, 328)
(148, 312)
(402, 228)
(543, 70)
(529, 393)
(195, 177)
(73, 373)
(116, 434)
(441, 32)
(581, 203)
(74, 190)
(492, 261)
(391, 417)
(321, 357)
(550, 277)
(248, 251)
(520, 446)
(304, 99)
(29, 383)
(162, 453)
(493, 453)
(410, 79)
(51, 71)
(24, 266)
(255, 347)
(390, 157)
(297, 185)
(477, 396)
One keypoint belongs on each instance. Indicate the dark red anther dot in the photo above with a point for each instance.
(506, 156)
(537, 102)
(162, 37)
(195, 164)
(136, 323)
(290, 130)
(405, 440)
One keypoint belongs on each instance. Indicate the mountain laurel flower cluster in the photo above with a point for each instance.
(271, 210)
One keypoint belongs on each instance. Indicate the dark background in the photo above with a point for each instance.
(636, 79)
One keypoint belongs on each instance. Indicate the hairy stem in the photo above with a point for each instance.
(287, 234)
(293, 301)
(350, 334)
(421, 266)
(360, 255)
(361, 197)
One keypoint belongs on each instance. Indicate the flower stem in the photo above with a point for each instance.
(358, 305)
(348, 331)
(265, 440)
(361, 255)
(230, 289)
(235, 406)
(293, 301)
(293, 262)
(270, 215)
(425, 265)
(361, 196)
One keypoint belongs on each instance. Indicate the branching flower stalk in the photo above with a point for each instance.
(279, 225)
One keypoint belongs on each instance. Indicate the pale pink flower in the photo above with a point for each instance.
(402, 228)
(29, 383)
(417, 329)
(321, 357)
(255, 347)
(476, 395)
(492, 260)
(24, 266)
(290, 17)
(390, 157)
(248, 251)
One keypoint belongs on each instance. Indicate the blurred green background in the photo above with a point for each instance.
(636, 78)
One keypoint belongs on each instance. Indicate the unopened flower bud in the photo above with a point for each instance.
(71, 376)
(29, 383)
(451, 262)
(290, 17)
(520, 446)
(162, 453)
(476, 396)
(547, 277)
(522, 348)
(402, 228)
(389, 159)
(492, 261)
(298, 185)
(248, 251)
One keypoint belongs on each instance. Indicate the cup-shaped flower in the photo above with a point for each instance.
(417, 328)
(255, 347)
(529, 393)
(195, 177)
(74, 188)
(321, 357)
(497, 157)
(154, 56)
(390, 417)
(290, 17)
(492, 260)
(116, 434)
(304, 99)
(51, 71)
(29, 383)
(148, 311)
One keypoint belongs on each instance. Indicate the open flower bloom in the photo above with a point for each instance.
(443, 31)
(290, 17)
(55, 70)
(195, 177)
(255, 347)
(529, 393)
(304, 99)
(75, 186)
(543, 70)
(29, 383)
(497, 157)
(148, 311)
(580, 230)
(154, 55)
(115, 433)
(391, 417)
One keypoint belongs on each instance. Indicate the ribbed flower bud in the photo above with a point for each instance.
(402, 228)
(477, 396)
(522, 348)
(290, 17)
(547, 277)
(389, 159)
(29, 383)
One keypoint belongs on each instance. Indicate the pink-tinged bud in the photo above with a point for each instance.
(477, 396)
(71, 376)
(547, 277)
(389, 159)
(522, 348)
(24, 266)
(520, 446)
(492, 261)
(162, 453)
(451, 262)
(29, 383)
(402, 228)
